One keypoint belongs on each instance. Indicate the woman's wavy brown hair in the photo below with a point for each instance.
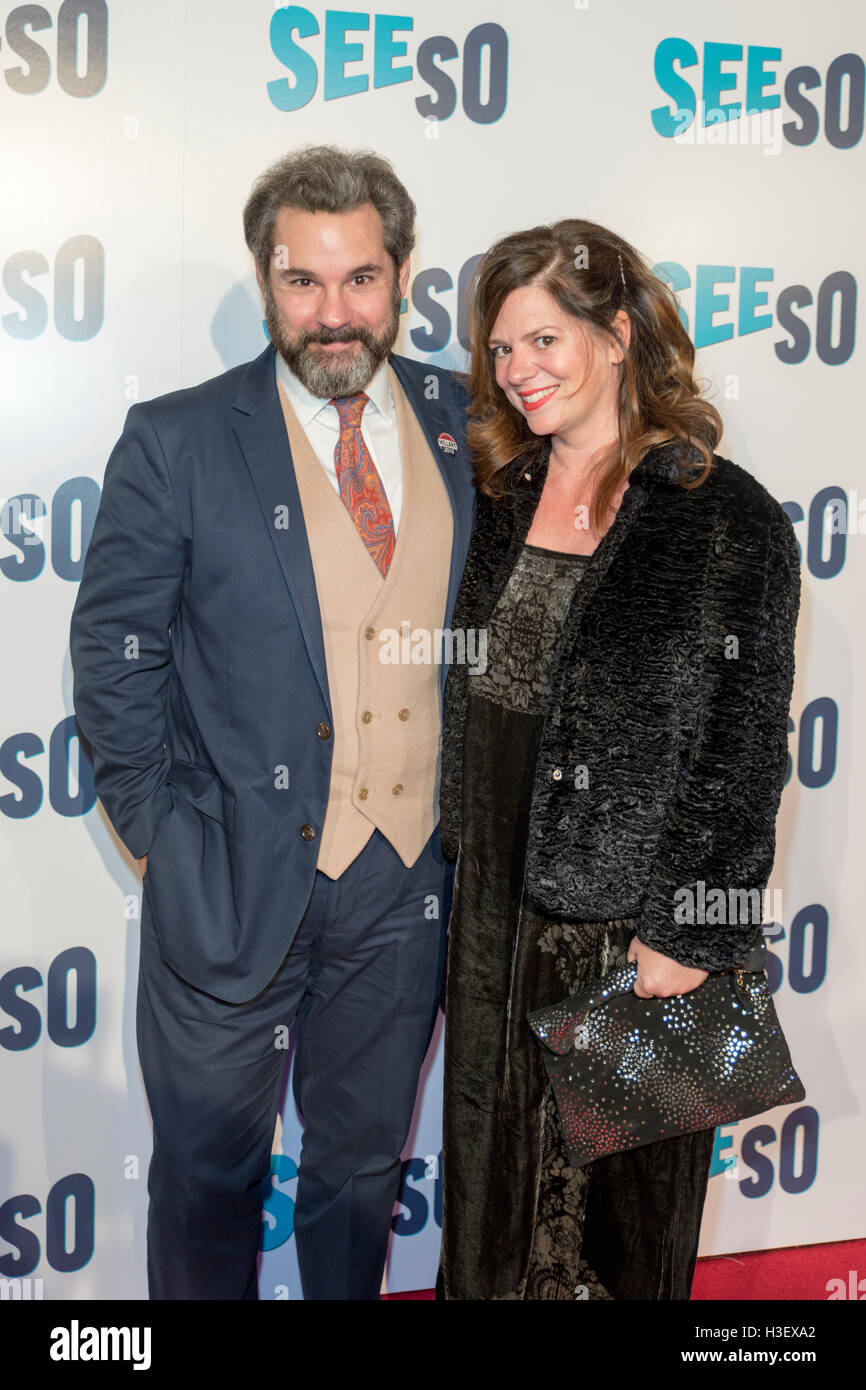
(578, 263)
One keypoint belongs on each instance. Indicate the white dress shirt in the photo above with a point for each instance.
(321, 424)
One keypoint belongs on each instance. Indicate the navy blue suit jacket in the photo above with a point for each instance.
(200, 663)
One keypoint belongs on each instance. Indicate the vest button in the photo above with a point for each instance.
(403, 714)
(557, 774)
(363, 794)
(370, 633)
(397, 789)
(366, 716)
(323, 730)
(307, 832)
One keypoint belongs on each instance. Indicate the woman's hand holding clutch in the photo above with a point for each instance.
(659, 977)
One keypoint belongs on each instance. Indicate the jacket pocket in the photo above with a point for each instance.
(204, 790)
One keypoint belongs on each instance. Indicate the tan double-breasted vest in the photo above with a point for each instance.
(385, 712)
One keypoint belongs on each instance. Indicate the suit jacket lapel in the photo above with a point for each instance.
(435, 420)
(261, 433)
(431, 416)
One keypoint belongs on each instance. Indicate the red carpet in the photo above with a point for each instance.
(801, 1271)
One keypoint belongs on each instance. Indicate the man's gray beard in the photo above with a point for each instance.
(321, 375)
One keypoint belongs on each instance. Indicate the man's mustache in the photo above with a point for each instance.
(340, 335)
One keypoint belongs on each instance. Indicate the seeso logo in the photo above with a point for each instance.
(278, 1206)
(79, 49)
(67, 758)
(61, 1002)
(765, 1155)
(832, 516)
(72, 295)
(354, 51)
(420, 1195)
(817, 739)
(807, 942)
(734, 300)
(36, 531)
(68, 1229)
(732, 81)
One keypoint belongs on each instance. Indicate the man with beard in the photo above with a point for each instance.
(261, 539)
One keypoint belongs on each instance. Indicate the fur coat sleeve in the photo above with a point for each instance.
(718, 827)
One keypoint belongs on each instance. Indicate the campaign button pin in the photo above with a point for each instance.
(447, 443)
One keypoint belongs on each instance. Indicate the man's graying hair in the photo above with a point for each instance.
(324, 178)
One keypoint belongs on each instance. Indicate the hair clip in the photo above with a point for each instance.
(621, 271)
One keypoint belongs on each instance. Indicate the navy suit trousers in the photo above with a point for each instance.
(361, 983)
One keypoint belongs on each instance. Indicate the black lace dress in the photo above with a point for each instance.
(519, 1222)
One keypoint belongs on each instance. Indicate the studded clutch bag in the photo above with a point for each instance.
(627, 1071)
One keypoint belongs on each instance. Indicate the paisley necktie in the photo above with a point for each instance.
(360, 485)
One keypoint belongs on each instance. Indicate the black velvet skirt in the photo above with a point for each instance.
(518, 1221)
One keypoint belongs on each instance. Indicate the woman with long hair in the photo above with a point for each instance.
(624, 740)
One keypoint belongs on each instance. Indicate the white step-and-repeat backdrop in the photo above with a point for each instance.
(130, 133)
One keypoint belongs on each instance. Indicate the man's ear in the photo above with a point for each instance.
(403, 277)
(260, 279)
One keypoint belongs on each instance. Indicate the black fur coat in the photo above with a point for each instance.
(664, 750)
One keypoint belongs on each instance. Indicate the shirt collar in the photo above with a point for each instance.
(307, 407)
